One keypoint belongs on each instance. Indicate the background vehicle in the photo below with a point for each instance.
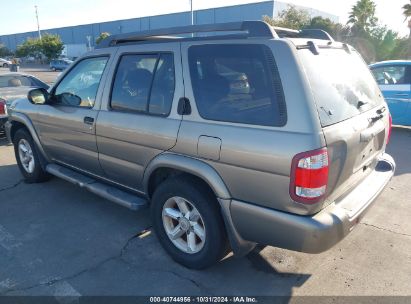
(60, 64)
(270, 136)
(14, 86)
(394, 80)
(4, 63)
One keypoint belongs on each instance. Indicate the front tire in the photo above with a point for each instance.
(187, 220)
(5, 65)
(28, 158)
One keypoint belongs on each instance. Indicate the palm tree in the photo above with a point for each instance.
(362, 15)
(407, 14)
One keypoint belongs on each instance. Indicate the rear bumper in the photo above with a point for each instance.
(316, 233)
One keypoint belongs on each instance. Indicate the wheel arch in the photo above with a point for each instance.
(20, 120)
(170, 163)
(206, 174)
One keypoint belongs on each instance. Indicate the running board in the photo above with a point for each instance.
(106, 191)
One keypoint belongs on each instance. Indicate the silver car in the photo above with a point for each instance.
(232, 140)
(5, 63)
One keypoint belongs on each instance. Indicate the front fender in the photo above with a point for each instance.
(26, 121)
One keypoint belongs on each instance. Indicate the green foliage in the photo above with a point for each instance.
(30, 47)
(49, 45)
(375, 42)
(102, 36)
(362, 16)
(291, 17)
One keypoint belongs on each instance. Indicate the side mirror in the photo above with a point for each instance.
(38, 96)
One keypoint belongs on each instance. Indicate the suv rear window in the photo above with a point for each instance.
(237, 83)
(341, 83)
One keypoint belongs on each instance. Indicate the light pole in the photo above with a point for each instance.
(38, 24)
(191, 10)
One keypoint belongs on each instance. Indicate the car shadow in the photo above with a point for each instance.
(399, 148)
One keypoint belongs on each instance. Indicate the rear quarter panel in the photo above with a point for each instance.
(255, 161)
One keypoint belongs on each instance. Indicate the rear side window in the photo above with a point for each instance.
(237, 83)
(144, 83)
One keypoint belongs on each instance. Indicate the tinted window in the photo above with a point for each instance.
(144, 83)
(15, 81)
(237, 83)
(340, 82)
(395, 74)
(79, 87)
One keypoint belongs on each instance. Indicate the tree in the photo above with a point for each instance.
(362, 17)
(30, 47)
(407, 14)
(336, 30)
(51, 46)
(102, 36)
(291, 17)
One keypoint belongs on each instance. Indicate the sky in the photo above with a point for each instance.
(20, 16)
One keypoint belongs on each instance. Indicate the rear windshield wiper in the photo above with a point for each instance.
(361, 103)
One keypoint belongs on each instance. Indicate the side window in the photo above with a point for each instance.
(237, 83)
(144, 83)
(79, 87)
(390, 74)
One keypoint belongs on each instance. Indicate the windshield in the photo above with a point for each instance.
(341, 83)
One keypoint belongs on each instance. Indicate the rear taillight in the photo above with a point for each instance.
(389, 128)
(309, 176)
(2, 106)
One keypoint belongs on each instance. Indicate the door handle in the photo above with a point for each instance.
(88, 120)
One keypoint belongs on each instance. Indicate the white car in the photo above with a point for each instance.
(4, 63)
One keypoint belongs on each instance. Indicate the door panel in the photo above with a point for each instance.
(67, 125)
(395, 83)
(398, 99)
(131, 127)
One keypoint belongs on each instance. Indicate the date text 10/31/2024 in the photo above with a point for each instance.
(234, 299)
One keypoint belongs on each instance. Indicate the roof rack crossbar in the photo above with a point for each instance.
(251, 28)
(304, 33)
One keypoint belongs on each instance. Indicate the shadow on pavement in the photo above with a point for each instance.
(399, 148)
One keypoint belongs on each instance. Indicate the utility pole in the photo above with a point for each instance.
(192, 15)
(38, 24)
(191, 10)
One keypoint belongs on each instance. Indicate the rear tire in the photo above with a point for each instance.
(27, 158)
(5, 65)
(201, 240)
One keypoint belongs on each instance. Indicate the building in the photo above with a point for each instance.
(84, 36)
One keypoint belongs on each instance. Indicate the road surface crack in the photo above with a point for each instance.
(12, 186)
(384, 229)
(77, 274)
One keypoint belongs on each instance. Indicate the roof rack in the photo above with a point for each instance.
(304, 33)
(248, 29)
(252, 29)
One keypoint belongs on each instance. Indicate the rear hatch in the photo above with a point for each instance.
(352, 112)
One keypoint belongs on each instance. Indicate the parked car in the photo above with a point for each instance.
(14, 86)
(394, 80)
(60, 64)
(293, 158)
(4, 63)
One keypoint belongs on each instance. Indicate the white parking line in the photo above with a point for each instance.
(7, 240)
(65, 293)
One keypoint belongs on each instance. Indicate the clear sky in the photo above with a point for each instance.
(20, 16)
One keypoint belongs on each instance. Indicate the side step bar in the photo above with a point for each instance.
(106, 191)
